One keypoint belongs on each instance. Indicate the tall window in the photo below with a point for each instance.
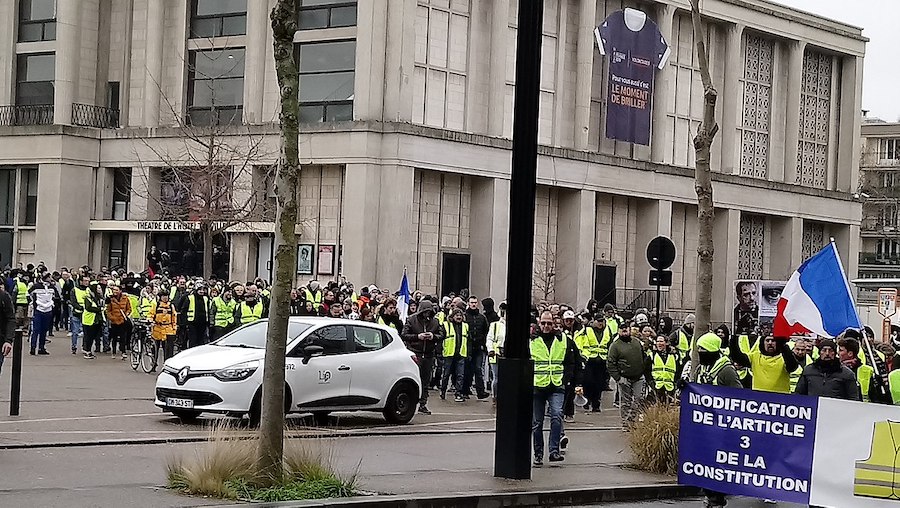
(889, 149)
(327, 13)
(758, 61)
(815, 119)
(118, 251)
(34, 79)
(218, 18)
(7, 197)
(326, 81)
(29, 197)
(37, 20)
(216, 87)
(121, 193)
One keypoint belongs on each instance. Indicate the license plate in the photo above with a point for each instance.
(185, 403)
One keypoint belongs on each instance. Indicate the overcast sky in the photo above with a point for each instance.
(878, 18)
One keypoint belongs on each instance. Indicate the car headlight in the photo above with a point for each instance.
(237, 372)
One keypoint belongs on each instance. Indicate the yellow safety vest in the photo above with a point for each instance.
(89, 317)
(316, 298)
(135, 311)
(864, 376)
(548, 364)
(192, 299)
(21, 292)
(612, 324)
(587, 343)
(894, 383)
(878, 475)
(795, 376)
(146, 305)
(663, 372)
(80, 294)
(495, 342)
(450, 340)
(441, 317)
(384, 323)
(709, 376)
(603, 348)
(224, 312)
(251, 314)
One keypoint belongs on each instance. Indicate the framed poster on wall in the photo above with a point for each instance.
(305, 259)
(326, 260)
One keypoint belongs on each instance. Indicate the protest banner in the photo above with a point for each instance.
(793, 448)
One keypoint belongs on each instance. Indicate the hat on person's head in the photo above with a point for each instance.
(568, 315)
(641, 319)
(608, 306)
(689, 319)
(456, 310)
(709, 342)
(827, 343)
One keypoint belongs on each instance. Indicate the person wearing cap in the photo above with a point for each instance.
(770, 364)
(683, 336)
(613, 320)
(827, 376)
(455, 353)
(628, 365)
(421, 334)
(714, 369)
(557, 364)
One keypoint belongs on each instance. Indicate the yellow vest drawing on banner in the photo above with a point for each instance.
(878, 476)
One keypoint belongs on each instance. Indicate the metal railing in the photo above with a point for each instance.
(32, 114)
(628, 300)
(101, 117)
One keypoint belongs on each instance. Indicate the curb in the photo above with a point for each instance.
(534, 498)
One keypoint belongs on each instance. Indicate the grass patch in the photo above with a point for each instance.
(654, 440)
(225, 467)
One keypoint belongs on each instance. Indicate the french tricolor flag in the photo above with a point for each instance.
(817, 299)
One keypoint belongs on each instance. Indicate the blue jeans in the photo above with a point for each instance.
(41, 323)
(542, 396)
(105, 335)
(494, 380)
(453, 365)
(75, 326)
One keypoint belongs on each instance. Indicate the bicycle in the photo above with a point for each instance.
(139, 336)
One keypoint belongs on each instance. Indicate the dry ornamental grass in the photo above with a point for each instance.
(654, 440)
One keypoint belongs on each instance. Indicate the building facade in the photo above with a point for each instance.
(879, 190)
(405, 145)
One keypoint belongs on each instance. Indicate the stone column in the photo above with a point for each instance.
(654, 218)
(575, 246)
(399, 60)
(792, 109)
(661, 87)
(156, 22)
(786, 246)
(68, 57)
(137, 251)
(394, 238)
(849, 128)
(489, 237)
(368, 99)
(255, 61)
(497, 84)
(731, 100)
(360, 221)
(7, 52)
(63, 220)
(239, 265)
(584, 58)
(726, 235)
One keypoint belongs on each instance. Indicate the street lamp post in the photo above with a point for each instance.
(512, 449)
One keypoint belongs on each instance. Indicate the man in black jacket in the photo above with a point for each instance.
(827, 377)
(7, 323)
(478, 329)
(421, 334)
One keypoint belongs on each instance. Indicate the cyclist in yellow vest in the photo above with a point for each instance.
(222, 314)
(250, 310)
(557, 364)
(665, 367)
(455, 352)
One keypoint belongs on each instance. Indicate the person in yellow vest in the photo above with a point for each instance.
(222, 314)
(76, 301)
(557, 364)
(848, 351)
(92, 319)
(894, 383)
(388, 316)
(827, 377)
(801, 347)
(250, 310)
(19, 297)
(597, 380)
(165, 326)
(665, 368)
(588, 342)
(496, 340)
(455, 352)
(681, 338)
(148, 298)
(312, 293)
(613, 320)
(771, 364)
(195, 308)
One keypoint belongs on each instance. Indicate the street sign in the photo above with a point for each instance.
(887, 301)
(661, 278)
(661, 253)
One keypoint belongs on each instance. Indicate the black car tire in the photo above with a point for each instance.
(186, 415)
(402, 403)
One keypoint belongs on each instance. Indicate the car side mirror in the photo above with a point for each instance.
(310, 351)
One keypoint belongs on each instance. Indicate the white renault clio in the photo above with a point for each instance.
(331, 365)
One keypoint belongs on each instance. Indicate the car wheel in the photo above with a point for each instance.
(186, 415)
(321, 418)
(401, 403)
(255, 412)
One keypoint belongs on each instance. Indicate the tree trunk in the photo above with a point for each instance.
(271, 429)
(703, 186)
(207, 236)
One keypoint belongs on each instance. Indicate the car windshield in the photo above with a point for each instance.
(254, 335)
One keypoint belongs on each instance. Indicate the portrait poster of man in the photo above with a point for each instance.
(305, 259)
(746, 307)
(769, 293)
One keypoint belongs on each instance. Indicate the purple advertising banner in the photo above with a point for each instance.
(747, 443)
(636, 49)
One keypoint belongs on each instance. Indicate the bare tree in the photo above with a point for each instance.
(544, 273)
(271, 430)
(703, 186)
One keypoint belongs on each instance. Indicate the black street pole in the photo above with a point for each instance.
(515, 376)
(659, 255)
(16, 380)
